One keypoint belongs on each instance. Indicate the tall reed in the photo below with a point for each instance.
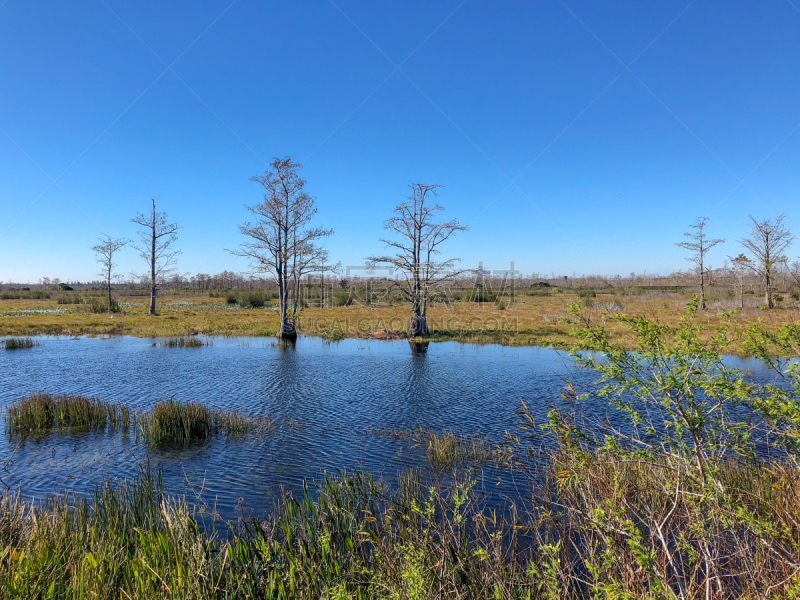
(174, 422)
(40, 413)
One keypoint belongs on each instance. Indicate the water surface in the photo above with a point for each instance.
(323, 397)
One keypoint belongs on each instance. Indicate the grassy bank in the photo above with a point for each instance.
(533, 320)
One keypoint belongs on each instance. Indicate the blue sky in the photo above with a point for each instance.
(555, 154)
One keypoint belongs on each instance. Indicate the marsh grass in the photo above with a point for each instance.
(42, 413)
(533, 323)
(448, 449)
(174, 422)
(349, 537)
(19, 343)
(183, 342)
(583, 534)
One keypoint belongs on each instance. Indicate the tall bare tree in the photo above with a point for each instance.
(156, 246)
(699, 245)
(105, 251)
(419, 237)
(740, 265)
(282, 238)
(304, 262)
(321, 265)
(768, 241)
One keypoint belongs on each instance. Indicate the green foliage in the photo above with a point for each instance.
(675, 392)
(253, 300)
(99, 304)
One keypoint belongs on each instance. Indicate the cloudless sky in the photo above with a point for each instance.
(556, 155)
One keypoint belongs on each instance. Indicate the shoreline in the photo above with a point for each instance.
(533, 322)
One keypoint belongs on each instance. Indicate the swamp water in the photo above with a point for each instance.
(326, 401)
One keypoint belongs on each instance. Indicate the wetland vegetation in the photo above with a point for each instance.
(688, 488)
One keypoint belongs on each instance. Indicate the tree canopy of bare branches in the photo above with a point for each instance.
(740, 265)
(105, 251)
(321, 265)
(699, 244)
(418, 237)
(156, 246)
(768, 241)
(282, 242)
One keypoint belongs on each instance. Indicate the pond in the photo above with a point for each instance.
(323, 397)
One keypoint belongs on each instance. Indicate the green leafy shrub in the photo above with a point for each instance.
(253, 300)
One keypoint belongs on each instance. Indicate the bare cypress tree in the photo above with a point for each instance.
(156, 247)
(304, 262)
(281, 235)
(699, 244)
(419, 238)
(105, 251)
(768, 241)
(740, 265)
(322, 265)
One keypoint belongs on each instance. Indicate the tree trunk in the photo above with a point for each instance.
(768, 294)
(419, 323)
(287, 331)
(741, 293)
(702, 288)
(153, 265)
(108, 289)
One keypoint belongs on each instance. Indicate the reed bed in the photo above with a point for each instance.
(183, 342)
(593, 527)
(42, 413)
(19, 343)
(174, 422)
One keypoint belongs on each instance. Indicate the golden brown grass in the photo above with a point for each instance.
(532, 322)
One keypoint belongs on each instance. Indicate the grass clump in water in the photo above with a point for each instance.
(448, 449)
(40, 413)
(175, 422)
(19, 343)
(183, 342)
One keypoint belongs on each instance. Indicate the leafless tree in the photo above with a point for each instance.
(321, 266)
(740, 265)
(105, 251)
(282, 239)
(156, 247)
(768, 241)
(304, 262)
(418, 245)
(699, 244)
